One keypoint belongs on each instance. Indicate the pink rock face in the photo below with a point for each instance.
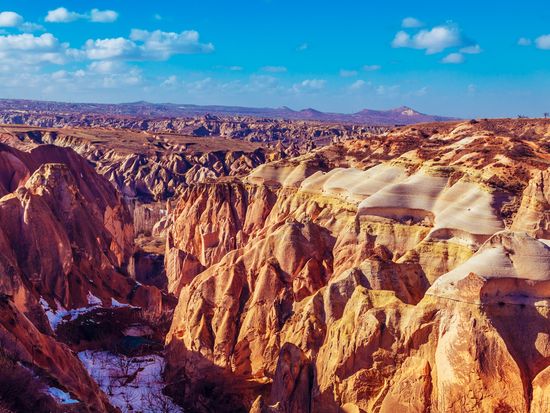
(408, 273)
(65, 236)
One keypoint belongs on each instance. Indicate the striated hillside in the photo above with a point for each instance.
(405, 272)
(145, 166)
(66, 246)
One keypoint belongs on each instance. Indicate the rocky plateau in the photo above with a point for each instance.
(403, 269)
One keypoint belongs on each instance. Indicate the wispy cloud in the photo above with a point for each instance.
(358, 85)
(103, 16)
(63, 15)
(411, 23)
(348, 73)
(274, 69)
(474, 49)
(310, 85)
(453, 58)
(371, 68)
(543, 42)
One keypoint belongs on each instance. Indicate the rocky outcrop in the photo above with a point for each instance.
(405, 273)
(285, 126)
(534, 212)
(142, 166)
(66, 243)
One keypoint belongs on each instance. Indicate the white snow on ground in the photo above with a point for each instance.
(59, 314)
(61, 396)
(118, 304)
(93, 300)
(133, 384)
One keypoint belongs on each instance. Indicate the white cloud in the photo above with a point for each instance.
(233, 68)
(453, 58)
(524, 41)
(103, 16)
(145, 45)
(119, 47)
(302, 47)
(371, 68)
(411, 22)
(348, 73)
(274, 69)
(170, 82)
(199, 85)
(474, 49)
(106, 67)
(161, 45)
(29, 49)
(543, 42)
(401, 39)
(471, 89)
(62, 15)
(31, 27)
(157, 16)
(309, 85)
(423, 91)
(10, 19)
(390, 91)
(434, 40)
(358, 84)
(60, 74)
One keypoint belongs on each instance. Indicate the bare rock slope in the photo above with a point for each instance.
(407, 272)
(66, 243)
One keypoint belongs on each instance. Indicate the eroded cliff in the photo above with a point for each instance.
(66, 243)
(406, 272)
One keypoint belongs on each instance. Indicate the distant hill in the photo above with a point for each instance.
(398, 116)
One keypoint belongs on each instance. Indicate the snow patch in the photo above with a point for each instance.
(93, 300)
(133, 384)
(118, 304)
(61, 396)
(59, 314)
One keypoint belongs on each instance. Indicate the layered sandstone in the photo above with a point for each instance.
(66, 245)
(145, 166)
(405, 272)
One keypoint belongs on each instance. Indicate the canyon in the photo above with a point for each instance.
(297, 267)
(401, 273)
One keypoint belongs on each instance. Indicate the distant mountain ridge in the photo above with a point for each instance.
(398, 116)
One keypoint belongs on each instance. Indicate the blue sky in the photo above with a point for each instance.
(467, 58)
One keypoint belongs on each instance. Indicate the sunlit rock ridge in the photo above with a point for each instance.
(405, 272)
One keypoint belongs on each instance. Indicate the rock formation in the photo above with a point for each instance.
(66, 243)
(406, 270)
(399, 273)
(143, 166)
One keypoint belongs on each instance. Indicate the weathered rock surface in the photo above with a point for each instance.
(145, 166)
(66, 242)
(409, 272)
